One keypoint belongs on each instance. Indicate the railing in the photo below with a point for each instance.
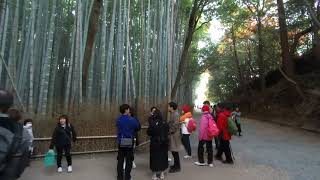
(88, 144)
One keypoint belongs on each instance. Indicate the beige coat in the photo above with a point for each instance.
(175, 144)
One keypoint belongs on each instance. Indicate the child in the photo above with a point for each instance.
(236, 116)
(62, 136)
(184, 120)
(126, 129)
(27, 126)
(204, 138)
(158, 131)
(174, 137)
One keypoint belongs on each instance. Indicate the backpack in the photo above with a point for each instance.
(213, 130)
(232, 127)
(14, 152)
(192, 125)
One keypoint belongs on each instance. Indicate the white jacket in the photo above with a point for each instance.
(184, 125)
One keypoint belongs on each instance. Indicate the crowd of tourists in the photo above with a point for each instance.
(217, 123)
(170, 134)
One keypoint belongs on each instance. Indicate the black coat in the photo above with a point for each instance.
(62, 136)
(159, 144)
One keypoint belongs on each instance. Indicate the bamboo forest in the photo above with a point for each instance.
(86, 57)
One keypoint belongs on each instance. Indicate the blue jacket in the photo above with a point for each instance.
(126, 127)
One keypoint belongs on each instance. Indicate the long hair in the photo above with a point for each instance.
(158, 115)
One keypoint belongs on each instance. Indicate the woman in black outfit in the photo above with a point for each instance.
(62, 136)
(159, 144)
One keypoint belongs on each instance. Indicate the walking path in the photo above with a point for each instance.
(265, 152)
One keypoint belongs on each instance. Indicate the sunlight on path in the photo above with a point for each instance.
(201, 90)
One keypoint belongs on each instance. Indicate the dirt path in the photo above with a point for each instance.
(265, 152)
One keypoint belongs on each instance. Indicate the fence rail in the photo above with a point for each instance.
(45, 140)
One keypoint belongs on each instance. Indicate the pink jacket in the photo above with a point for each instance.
(203, 130)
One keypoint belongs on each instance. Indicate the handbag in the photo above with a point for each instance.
(126, 142)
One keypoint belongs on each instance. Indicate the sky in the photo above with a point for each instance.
(215, 32)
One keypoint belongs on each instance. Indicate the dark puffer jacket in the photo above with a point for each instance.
(62, 136)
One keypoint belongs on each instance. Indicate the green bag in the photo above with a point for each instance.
(49, 159)
(232, 127)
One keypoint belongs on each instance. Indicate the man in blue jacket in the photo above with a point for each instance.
(126, 129)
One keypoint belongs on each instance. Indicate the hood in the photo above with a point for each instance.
(188, 115)
(226, 113)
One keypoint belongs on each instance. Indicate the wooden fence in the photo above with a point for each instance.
(88, 144)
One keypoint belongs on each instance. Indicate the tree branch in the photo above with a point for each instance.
(202, 24)
(297, 38)
(312, 14)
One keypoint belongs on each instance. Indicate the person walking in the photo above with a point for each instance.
(184, 120)
(225, 137)
(174, 137)
(236, 116)
(63, 136)
(126, 130)
(204, 138)
(158, 131)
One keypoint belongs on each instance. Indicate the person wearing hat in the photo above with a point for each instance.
(184, 120)
(204, 138)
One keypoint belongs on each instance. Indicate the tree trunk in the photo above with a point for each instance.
(287, 63)
(260, 54)
(191, 28)
(236, 58)
(93, 23)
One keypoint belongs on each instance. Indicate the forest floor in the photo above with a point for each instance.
(266, 152)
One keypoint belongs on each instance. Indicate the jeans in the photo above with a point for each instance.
(209, 151)
(186, 143)
(224, 148)
(176, 158)
(125, 154)
(66, 150)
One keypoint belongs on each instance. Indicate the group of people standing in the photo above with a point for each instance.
(173, 134)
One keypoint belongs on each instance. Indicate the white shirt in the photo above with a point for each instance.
(184, 125)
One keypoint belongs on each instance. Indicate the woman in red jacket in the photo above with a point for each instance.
(225, 136)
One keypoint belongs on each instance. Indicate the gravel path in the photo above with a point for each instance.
(265, 152)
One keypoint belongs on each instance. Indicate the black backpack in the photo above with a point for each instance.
(14, 152)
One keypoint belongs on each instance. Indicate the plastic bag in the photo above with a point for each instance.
(50, 159)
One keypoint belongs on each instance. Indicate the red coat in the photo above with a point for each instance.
(223, 124)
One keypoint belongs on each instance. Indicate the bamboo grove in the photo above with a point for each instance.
(51, 61)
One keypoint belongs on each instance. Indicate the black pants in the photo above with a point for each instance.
(125, 154)
(176, 160)
(239, 127)
(209, 151)
(66, 150)
(217, 142)
(186, 143)
(224, 148)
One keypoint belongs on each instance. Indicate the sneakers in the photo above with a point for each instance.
(211, 165)
(59, 169)
(154, 177)
(134, 165)
(187, 157)
(69, 169)
(162, 175)
(200, 164)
